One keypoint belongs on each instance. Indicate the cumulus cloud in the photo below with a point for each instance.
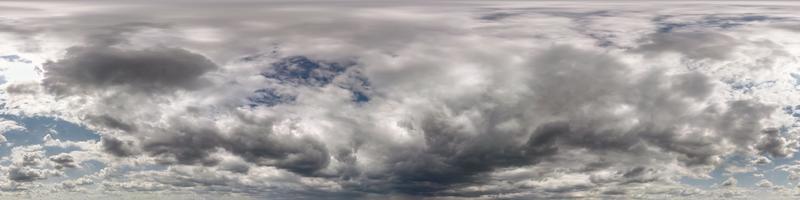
(118, 147)
(417, 102)
(63, 161)
(29, 164)
(773, 144)
(730, 182)
(764, 183)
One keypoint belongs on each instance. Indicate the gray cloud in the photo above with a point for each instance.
(63, 161)
(156, 69)
(392, 100)
(118, 147)
(192, 143)
(32, 159)
(111, 122)
(773, 144)
(576, 100)
(694, 45)
(24, 174)
(576, 96)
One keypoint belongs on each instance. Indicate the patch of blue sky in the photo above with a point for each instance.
(51, 150)
(769, 171)
(712, 21)
(796, 78)
(303, 71)
(794, 111)
(36, 128)
(86, 168)
(748, 86)
(360, 97)
(744, 179)
(15, 58)
(359, 86)
(269, 97)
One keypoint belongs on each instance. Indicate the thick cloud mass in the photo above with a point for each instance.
(389, 100)
(149, 70)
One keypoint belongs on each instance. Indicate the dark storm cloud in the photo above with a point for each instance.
(192, 143)
(155, 69)
(300, 155)
(118, 147)
(186, 144)
(479, 116)
(580, 93)
(451, 157)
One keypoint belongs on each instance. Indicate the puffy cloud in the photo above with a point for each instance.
(761, 160)
(24, 174)
(63, 161)
(117, 147)
(73, 184)
(463, 103)
(764, 183)
(28, 164)
(773, 144)
(730, 182)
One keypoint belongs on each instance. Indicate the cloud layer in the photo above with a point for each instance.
(373, 100)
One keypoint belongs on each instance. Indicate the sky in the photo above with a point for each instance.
(399, 100)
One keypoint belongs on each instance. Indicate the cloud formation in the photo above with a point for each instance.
(86, 69)
(349, 100)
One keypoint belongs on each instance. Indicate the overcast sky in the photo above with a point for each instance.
(389, 100)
